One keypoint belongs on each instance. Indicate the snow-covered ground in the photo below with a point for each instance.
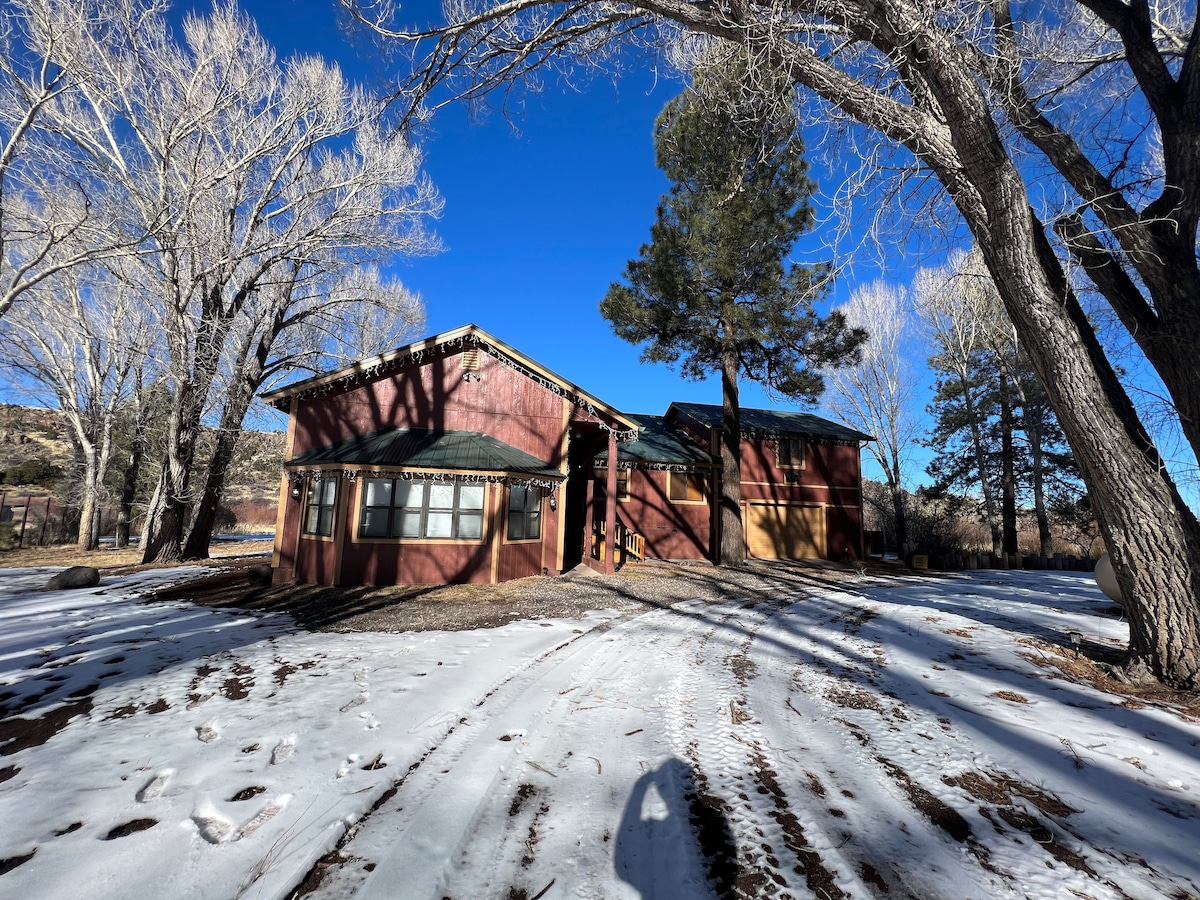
(894, 740)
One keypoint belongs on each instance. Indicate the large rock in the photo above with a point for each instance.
(74, 577)
(260, 576)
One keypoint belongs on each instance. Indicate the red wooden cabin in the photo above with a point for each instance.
(458, 459)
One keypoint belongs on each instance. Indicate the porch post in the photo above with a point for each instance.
(610, 508)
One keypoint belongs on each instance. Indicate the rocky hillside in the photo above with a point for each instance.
(28, 434)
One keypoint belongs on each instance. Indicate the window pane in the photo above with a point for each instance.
(441, 496)
(328, 491)
(791, 452)
(678, 488)
(379, 492)
(516, 526)
(374, 523)
(312, 519)
(470, 496)
(407, 523)
(516, 497)
(410, 493)
(470, 526)
(533, 524)
(325, 523)
(439, 525)
(623, 483)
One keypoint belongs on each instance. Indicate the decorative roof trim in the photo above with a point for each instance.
(441, 476)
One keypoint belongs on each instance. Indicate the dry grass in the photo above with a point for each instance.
(110, 561)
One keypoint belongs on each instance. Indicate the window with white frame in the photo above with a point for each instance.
(319, 505)
(524, 513)
(421, 510)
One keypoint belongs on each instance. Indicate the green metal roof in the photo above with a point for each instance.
(411, 448)
(658, 442)
(773, 423)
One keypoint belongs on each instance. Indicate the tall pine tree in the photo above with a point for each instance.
(714, 291)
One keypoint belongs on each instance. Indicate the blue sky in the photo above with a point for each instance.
(542, 213)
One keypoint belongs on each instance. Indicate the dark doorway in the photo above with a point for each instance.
(582, 446)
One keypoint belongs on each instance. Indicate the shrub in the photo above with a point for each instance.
(40, 471)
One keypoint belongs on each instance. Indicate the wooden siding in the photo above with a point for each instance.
(671, 530)
(503, 404)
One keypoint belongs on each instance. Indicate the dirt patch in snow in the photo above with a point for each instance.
(1093, 664)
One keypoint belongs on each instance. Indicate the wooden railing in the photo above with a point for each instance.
(629, 544)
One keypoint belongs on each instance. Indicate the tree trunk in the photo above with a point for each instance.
(167, 514)
(1152, 536)
(88, 538)
(897, 492)
(129, 480)
(981, 466)
(1008, 475)
(200, 534)
(733, 540)
(1033, 429)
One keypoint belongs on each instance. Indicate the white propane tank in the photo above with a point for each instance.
(1106, 580)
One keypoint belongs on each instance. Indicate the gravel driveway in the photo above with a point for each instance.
(462, 607)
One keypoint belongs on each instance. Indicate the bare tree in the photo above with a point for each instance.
(241, 172)
(49, 217)
(877, 394)
(976, 92)
(297, 321)
(79, 341)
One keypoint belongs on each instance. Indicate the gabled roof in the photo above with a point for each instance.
(772, 423)
(419, 448)
(467, 336)
(658, 442)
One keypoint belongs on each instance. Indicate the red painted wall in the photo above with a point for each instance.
(671, 530)
(503, 403)
(831, 475)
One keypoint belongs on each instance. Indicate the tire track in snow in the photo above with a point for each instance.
(776, 857)
(425, 820)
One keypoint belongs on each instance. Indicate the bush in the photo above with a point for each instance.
(225, 520)
(40, 472)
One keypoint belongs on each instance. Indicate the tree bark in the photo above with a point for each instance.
(733, 540)
(1008, 474)
(168, 510)
(897, 491)
(1152, 536)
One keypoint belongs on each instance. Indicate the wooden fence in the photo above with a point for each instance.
(33, 520)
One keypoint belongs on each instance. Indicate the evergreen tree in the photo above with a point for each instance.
(713, 290)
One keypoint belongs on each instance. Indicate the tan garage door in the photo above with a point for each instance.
(785, 532)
